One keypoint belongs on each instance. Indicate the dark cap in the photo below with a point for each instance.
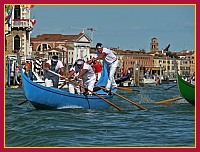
(54, 58)
(99, 45)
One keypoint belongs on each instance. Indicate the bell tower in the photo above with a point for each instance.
(154, 45)
(18, 27)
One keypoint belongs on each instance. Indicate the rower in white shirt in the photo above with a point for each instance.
(111, 61)
(73, 72)
(87, 74)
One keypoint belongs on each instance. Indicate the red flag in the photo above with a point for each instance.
(33, 21)
(31, 6)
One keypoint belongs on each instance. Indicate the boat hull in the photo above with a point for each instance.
(149, 81)
(122, 79)
(43, 97)
(186, 90)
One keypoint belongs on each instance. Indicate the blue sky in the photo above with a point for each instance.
(123, 26)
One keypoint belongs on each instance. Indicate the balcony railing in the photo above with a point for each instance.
(21, 23)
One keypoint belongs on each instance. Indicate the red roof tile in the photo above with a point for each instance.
(57, 37)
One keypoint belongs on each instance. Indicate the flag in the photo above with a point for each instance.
(9, 9)
(38, 65)
(33, 21)
(31, 6)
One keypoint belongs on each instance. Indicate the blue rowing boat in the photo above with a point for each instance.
(42, 97)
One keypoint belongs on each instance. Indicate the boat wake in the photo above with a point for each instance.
(144, 98)
(70, 107)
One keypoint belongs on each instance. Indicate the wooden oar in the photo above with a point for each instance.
(127, 89)
(118, 108)
(62, 85)
(171, 87)
(142, 108)
(168, 100)
(22, 102)
(112, 104)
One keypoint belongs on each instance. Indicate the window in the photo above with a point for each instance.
(81, 53)
(17, 42)
(17, 12)
(44, 46)
(39, 48)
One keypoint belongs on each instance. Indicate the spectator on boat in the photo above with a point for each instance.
(128, 72)
(73, 72)
(97, 69)
(28, 71)
(87, 74)
(24, 68)
(111, 61)
(54, 65)
(192, 79)
(157, 81)
(17, 70)
(17, 74)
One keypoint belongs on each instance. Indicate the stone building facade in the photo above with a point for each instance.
(18, 30)
(71, 47)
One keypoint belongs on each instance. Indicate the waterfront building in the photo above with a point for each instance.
(18, 27)
(130, 59)
(71, 47)
(187, 63)
(192, 63)
(163, 60)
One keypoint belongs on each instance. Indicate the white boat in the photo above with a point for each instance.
(149, 81)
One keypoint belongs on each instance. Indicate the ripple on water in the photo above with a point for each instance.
(171, 124)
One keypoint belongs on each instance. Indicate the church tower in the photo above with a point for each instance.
(18, 27)
(154, 45)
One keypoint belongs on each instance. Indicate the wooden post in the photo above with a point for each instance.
(8, 68)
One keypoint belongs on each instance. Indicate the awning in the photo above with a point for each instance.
(154, 68)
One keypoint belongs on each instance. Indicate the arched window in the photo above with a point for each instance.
(17, 42)
(17, 12)
(43, 47)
